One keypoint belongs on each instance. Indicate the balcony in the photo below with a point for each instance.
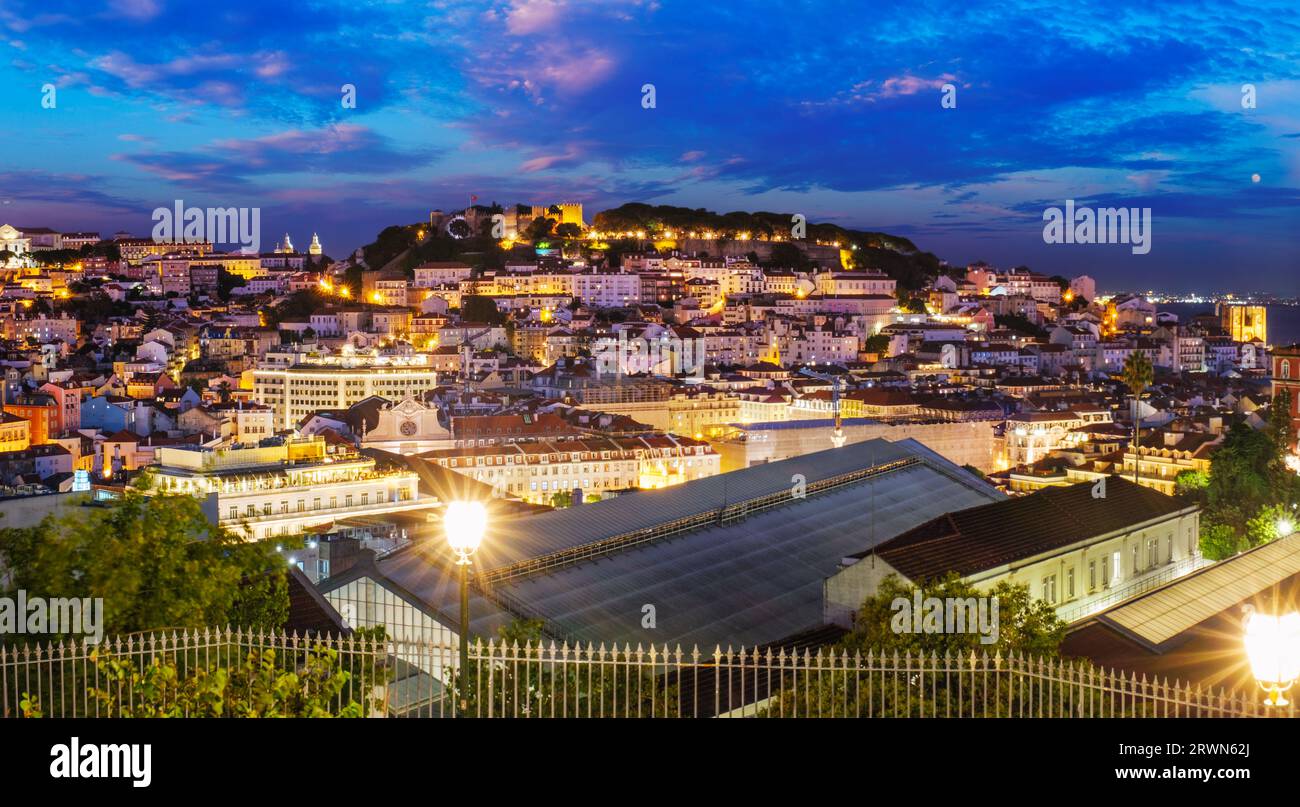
(1152, 579)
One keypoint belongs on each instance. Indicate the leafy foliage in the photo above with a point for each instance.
(1281, 428)
(1248, 490)
(1025, 624)
(874, 686)
(262, 685)
(525, 688)
(156, 561)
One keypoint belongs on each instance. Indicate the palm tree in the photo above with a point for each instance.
(1137, 376)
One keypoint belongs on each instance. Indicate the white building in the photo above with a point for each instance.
(855, 283)
(1030, 436)
(1072, 548)
(607, 289)
(283, 487)
(12, 240)
(338, 382)
(535, 470)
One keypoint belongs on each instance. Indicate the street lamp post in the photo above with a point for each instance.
(464, 524)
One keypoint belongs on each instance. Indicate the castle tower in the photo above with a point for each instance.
(571, 213)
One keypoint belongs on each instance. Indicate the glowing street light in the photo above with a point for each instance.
(1285, 527)
(464, 524)
(1273, 648)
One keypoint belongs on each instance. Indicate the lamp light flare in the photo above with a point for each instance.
(464, 523)
(1273, 649)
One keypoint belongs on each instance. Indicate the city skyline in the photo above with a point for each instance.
(544, 100)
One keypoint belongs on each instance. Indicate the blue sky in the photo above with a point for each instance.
(827, 109)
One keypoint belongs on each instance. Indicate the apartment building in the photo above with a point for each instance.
(535, 470)
(338, 382)
(1030, 436)
(281, 487)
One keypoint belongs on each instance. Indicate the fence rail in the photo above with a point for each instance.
(385, 677)
(1069, 614)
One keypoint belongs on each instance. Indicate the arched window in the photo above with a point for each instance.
(1286, 369)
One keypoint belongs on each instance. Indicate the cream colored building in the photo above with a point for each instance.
(961, 442)
(11, 240)
(406, 427)
(283, 487)
(697, 415)
(1030, 436)
(1073, 549)
(535, 470)
(338, 382)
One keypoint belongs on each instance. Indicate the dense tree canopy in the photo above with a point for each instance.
(156, 561)
(1024, 624)
(1248, 491)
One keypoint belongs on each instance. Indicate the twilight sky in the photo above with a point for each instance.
(829, 109)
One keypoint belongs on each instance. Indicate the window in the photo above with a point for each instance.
(1092, 575)
(1135, 558)
(1153, 552)
(1115, 572)
(1069, 583)
(1049, 588)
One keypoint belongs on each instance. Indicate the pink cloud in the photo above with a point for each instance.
(909, 85)
(893, 87)
(531, 16)
(545, 161)
(578, 72)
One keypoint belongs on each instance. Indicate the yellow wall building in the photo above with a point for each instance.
(15, 433)
(1245, 323)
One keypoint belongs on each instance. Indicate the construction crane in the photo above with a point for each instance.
(837, 436)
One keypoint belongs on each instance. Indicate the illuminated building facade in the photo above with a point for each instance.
(1245, 323)
(338, 382)
(536, 470)
(282, 487)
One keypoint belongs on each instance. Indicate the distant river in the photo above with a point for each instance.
(1283, 320)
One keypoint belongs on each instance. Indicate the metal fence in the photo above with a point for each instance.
(175, 674)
